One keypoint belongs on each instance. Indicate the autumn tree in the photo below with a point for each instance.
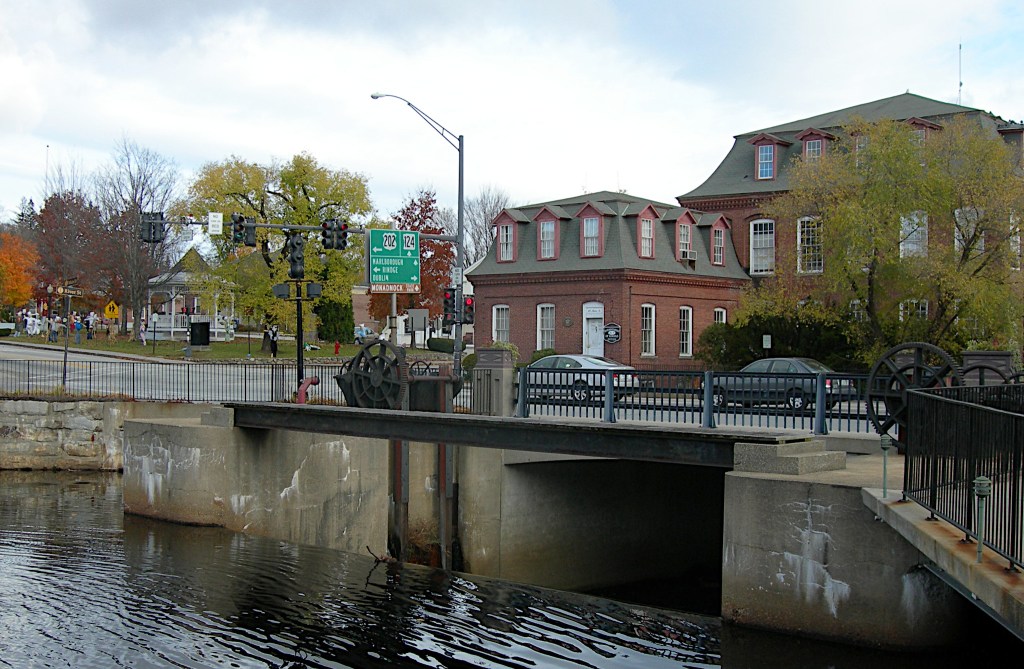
(903, 238)
(18, 260)
(420, 212)
(69, 226)
(135, 180)
(300, 192)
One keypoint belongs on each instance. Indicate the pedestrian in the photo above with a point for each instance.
(274, 336)
(142, 331)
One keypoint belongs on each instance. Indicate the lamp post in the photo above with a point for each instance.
(458, 143)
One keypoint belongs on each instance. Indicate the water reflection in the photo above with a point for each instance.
(83, 585)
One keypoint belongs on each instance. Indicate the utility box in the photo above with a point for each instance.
(199, 333)
(494, 383)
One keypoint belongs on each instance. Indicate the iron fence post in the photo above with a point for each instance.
(523, 409)
(982, 489)
(820, 426)
(708, 419)
(609, 397)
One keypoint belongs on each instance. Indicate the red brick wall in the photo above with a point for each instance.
(622, 297)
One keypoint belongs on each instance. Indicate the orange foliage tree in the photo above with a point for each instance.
(18, 262)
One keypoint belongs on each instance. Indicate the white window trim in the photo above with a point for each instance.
(646, 238)
(718, 246)
(591, 239)
(801, 246)
(505, 251)
(653, 331)
(765, 168)
(762, 271)
(724, 314)
(547, 240)
(914, 242)
(819, 146)
(540, 329)
(494, 322)
(685, 235)
(686, 335)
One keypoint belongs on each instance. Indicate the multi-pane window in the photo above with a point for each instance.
(766, 161)
(720, 315)
(499, 323)
(685, 245)
(965, 231)
(647, 329)
(914, 235)
(505, 242)
(762, 246)
(809, 256)
(547, 239)
(913, 309)
(646, 238)
(812, 149)
(857, 312)
(591, 247)
(685, 331)
(545, 326)
(718, 246)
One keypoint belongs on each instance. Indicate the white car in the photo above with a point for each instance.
(579, 377)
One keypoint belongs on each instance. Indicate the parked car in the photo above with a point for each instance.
(579, 377)
(363, 333)
(786, 381)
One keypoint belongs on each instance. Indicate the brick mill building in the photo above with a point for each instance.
(756, 170)
(607, 274)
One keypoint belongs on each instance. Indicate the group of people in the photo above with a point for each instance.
(32, 324)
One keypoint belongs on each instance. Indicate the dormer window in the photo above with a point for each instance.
(646, 238)
(685, 243)
(546, 242)
(506, 242)
(766, 155)
(921, 129)
(590, 244)
(766, 161)
(814, 143)
(718, 254)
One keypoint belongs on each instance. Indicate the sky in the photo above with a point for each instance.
(554, 98)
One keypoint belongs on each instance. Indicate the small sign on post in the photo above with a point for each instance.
(215, 223)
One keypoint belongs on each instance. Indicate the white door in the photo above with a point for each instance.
(593, 343)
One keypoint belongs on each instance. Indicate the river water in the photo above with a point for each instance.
(83, 585)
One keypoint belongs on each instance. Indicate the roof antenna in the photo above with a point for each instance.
(960, 71)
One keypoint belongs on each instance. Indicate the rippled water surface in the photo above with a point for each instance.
(82, 585)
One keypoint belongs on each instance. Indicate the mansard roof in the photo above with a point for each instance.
(620, 213)
(735, 175)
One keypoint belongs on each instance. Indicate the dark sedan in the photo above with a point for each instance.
(785, 381)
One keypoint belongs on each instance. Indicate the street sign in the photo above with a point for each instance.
(612, 333)
(215, 223)
(69, 291)
(111, 311)
(394, 261)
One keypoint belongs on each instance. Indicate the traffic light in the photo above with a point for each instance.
(237, 228)
(327, 233)
(468, 310)
(250, 232)
(296, 257)
(151, 224)
(449, 306)
(341, 235)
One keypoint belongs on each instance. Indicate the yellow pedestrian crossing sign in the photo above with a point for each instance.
(111, 310)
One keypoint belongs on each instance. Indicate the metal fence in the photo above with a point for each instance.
(174, 382)
(959, 434)
(819, 403)
(814, 403)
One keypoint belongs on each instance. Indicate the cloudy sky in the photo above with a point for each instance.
(554, 97)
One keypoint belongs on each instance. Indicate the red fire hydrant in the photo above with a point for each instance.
(337, 347)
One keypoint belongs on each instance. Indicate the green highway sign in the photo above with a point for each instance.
(394, 261)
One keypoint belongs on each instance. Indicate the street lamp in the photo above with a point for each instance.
(457, 142)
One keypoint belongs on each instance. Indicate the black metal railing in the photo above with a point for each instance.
(957, 435)
(819, 403)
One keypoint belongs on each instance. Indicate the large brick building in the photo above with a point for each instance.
(607, 274)
(756, 169)
(564, 274)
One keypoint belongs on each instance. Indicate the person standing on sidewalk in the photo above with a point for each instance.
(274, 336)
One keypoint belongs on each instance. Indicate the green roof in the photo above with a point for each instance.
(620, 213)
(735, 174)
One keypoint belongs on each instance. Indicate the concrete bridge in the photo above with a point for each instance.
(784, 531)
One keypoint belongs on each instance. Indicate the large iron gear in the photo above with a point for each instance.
(905, 367)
